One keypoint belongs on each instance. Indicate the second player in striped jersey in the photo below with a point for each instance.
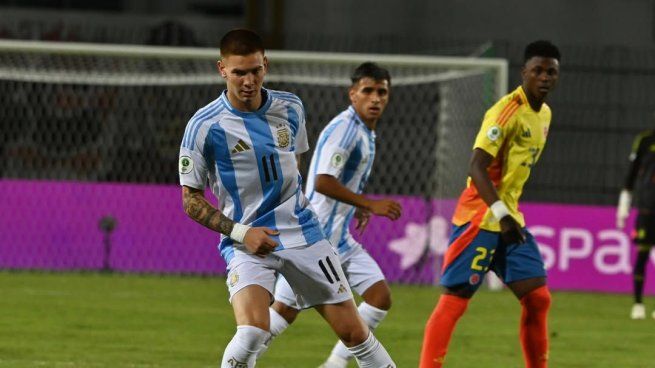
(338, 173)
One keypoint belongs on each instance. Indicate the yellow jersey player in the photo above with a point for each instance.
(488, 230)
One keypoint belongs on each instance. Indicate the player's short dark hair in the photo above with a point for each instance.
(241, 42)
(541, 48)
(370, 70)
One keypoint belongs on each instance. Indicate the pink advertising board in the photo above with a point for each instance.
(55, 226)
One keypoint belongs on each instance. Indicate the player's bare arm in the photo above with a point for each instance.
(329, 185)
(510, 230)
(256, 240)
(197, 207)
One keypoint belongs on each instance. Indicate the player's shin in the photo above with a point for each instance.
(371, 354)
(340, 355)
(534, 327)
(242, 349)
(439, 329)
(638, 273)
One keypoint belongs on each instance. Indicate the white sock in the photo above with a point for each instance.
(278, 325)
(242, 350)
(371, 354)
(372, 317)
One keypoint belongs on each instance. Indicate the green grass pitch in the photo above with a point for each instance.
(94, 320)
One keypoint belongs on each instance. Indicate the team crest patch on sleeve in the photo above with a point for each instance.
(337, 160)
(234, 278)
(493, 133)
(186, 164)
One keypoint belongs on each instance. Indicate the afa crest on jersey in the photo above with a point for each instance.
(283, 136)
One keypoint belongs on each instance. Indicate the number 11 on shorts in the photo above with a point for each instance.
(332, 269)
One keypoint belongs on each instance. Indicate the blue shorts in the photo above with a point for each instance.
(487, 252)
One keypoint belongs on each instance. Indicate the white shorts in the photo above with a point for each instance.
(313, 272)
(361, 272)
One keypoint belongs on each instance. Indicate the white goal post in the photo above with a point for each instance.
(499, 67)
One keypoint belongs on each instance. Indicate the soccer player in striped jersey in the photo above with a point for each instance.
(244, 145)
(641, 180)
(488, 230)
(339, 170)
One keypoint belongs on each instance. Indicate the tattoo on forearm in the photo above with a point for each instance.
(197, 207)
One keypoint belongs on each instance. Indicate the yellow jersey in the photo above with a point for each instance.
(515, 135)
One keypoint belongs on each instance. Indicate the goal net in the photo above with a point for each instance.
(116, 113)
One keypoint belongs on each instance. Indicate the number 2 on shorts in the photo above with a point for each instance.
(482, 254)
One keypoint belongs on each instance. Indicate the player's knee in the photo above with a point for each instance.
(378, 296)
(386, 302)
(383, 301)
(354, 336)
(380, 300)
(538, 299)
(287, 312)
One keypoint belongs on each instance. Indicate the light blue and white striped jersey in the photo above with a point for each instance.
(345, 150)
(249, 161)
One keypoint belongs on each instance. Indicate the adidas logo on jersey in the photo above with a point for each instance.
(526, 133)
(342, 289)
(241, 146)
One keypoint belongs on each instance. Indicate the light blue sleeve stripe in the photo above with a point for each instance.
(296, 102)
(194, 119)
(318, 153)
(350, 123)
(286, 96)
(198, 126)
(195, 124)
(352, 134)
(289, 97)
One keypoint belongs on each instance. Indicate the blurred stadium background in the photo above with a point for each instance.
(94, 98)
